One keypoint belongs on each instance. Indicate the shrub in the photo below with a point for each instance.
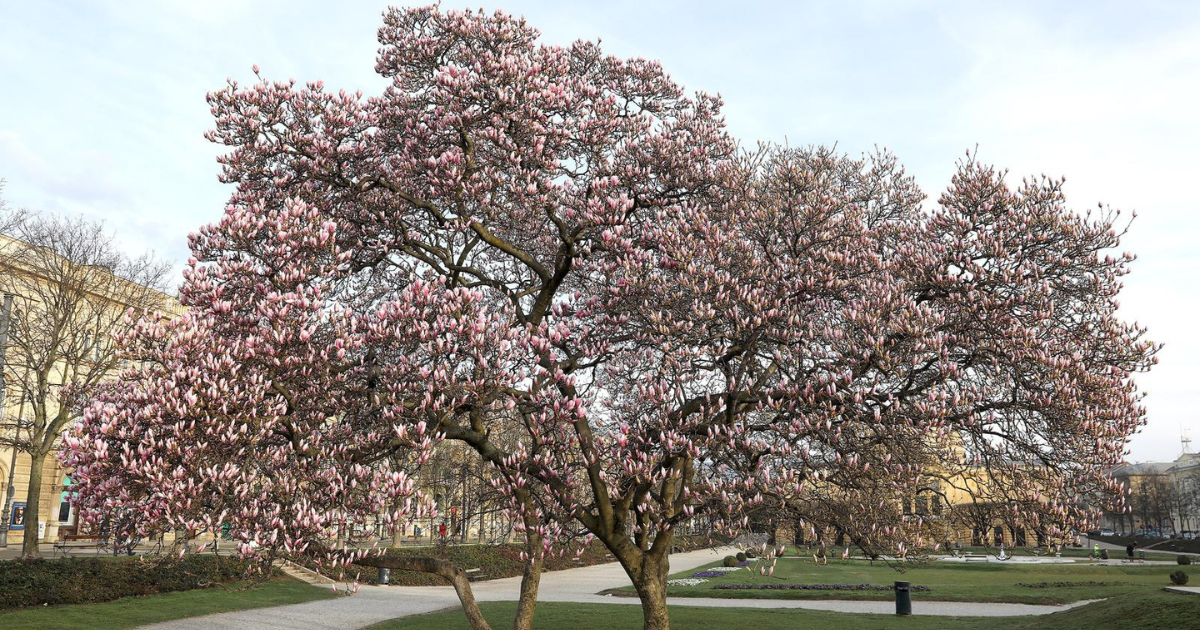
(741, 556)
(693, 542)
(1183, 559)
(497, 561)
(92, 580)
(1179, 578)
(729, 561)
(750, 553)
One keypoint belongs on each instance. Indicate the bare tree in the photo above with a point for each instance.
(8, 216)
(1151, 501)
(71, 290)
(1187, 492)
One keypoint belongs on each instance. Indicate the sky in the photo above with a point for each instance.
(102, 109)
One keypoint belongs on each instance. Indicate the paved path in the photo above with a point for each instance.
(373, 604)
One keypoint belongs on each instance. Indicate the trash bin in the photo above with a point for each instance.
(384, 576)
(903, 598)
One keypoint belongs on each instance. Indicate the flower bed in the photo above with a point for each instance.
(810, 587)
(686, 582)
(715, 572)
(1069, 584)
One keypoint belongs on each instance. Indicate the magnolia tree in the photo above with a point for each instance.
(562, 261)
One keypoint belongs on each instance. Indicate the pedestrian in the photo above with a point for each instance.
(442, 530)
(1129, 549)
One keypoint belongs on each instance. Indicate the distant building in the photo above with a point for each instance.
(1163, 497)
(27, 277)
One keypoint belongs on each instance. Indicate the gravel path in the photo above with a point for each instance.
(373, 604)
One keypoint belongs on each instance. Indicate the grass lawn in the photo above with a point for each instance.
(128, 612)
(979, 582)
(1075, 552)
(1152, 610)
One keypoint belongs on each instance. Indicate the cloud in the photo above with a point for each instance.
(108, 109)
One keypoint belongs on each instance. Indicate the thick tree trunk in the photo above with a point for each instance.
(530, 581)
(651, 587)
(33, 506)
(654, 606)
(647, 570)
(456, 576)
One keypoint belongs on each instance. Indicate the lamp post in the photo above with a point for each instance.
(9, 494)
(5, 315)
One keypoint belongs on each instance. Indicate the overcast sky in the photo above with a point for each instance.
(102, 109)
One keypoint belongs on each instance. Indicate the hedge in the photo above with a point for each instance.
(493, 561)
(92, 580)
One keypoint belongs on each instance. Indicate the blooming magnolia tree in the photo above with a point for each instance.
(563, 248)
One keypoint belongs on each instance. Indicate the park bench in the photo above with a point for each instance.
(71, 542)
(474, 575)
(1141, 558)
(975, 557)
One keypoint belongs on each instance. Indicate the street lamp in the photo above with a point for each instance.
(5, 316)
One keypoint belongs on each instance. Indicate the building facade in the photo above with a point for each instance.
(63, 303)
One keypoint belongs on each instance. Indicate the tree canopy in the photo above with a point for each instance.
(566, 249)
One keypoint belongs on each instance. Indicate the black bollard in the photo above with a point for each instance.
(384, 576)
(903, 599)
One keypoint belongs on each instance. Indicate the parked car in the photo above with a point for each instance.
(1107, 532)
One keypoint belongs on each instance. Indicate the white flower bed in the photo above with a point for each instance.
(725, 569)
(686, 582)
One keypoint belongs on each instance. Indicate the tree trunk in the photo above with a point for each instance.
(456, 576)
(647, 570)
(33, 506)
(530, 581)
(651, 586)
(398, 535)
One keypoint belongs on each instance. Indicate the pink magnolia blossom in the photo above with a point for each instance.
(561, 260)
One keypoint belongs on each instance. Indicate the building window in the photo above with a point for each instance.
(64, 506)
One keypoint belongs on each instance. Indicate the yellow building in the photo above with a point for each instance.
(65, 293)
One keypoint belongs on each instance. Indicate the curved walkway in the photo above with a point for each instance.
(373, 604)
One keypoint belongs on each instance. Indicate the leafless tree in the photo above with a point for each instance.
(72, 288)
(1187, 496)
(1150, 499)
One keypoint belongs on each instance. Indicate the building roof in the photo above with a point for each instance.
(1142, 468)
(1185, 461)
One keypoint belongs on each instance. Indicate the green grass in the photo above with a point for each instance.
(128, 612)
(1155, 610)
(990, 582)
